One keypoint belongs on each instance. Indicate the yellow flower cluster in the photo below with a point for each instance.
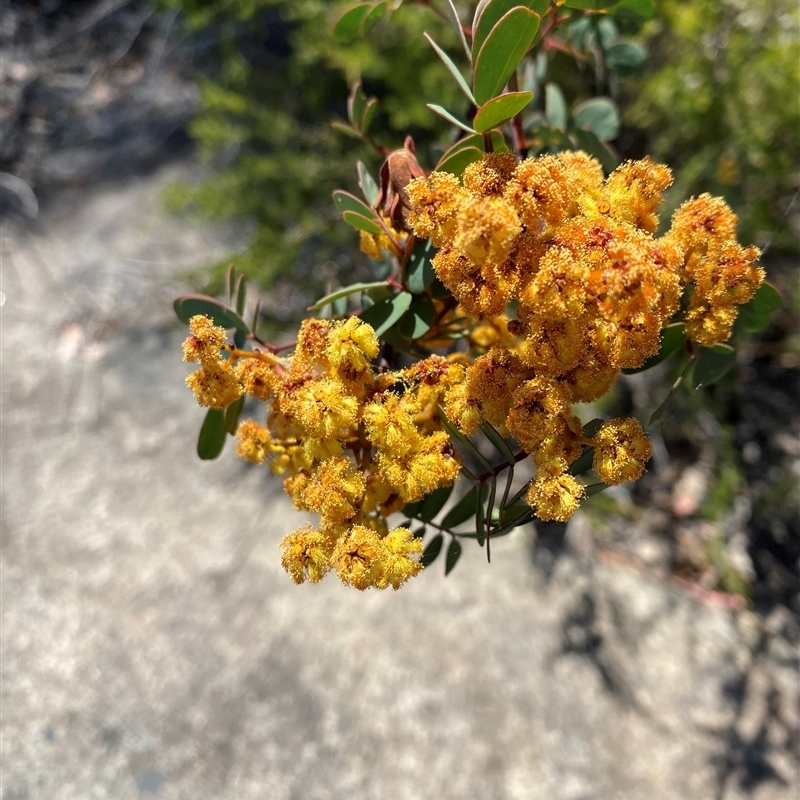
(574, 254)
(355, 444)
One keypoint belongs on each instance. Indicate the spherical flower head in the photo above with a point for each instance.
(728, 274)
(490, 174)
(335, 490)
(553, 346)
(307, 554)
(389, 425)
(558, 289)
(491, 381)
(254, 442)
(205, 342)
(462, 410)
(359, 558)
(258, 379)
(699, 223)
(352, 344)
(636, 190)
(555, 497)
(322, 408)
(312, 344)
(709, 325)
(540, 409)
(434, 202)
(295, 487)
(215, 387)
(487, 230)
(621, 450)
(403, 550)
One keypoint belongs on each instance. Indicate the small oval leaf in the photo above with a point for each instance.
(453, 554)
(345, 201)
(189, 305)
(431, 552)
(362, 223)
(349, 24)
(598, 115)
(212, 435)
(500, 109)
(435, 502)
(465, 508)
(626, 58)
(451, 117)
(555, 107)
(711, 363)
(386, 313)
(232, 413)
(419, 273)
(417, 321)
(367, 184)
(344, 292)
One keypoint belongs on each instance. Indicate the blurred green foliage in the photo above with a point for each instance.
(277, 82)
(720, 105)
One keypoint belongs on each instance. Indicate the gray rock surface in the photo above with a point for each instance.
(152, 645)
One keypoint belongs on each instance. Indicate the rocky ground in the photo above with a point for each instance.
(152, 645)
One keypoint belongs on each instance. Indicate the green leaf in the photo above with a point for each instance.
(232, 413)
(372, 296)
(514, 513)
(367, 184)
(460, 160)
(451, 9)
(598, 115)
(644, 9)
(464, 509)
(502, 51)
(595, 488)
(434, 503)
(626, 58)
(188, 305)
(362, 223)
(431, 552)
(212, 435)
(452, 556)
(417, 321)
(387, 312)
(454, 70)
(241, 294)
(456, 434)
(498, 442)
(377, 12)
(582, 463)
(588, 142)
(419, 533)
(369, 113)
(591, 5)
(500, 110)
(412, 509)
(480, 521)
(451, 117)
(349, 202)
(348, 129)
(490, 12)
(673, 339)
(349, 24)
(591, 428)
(419, 273)
(344, 292)
(711, 363)
(356, 103)
(230, 282)
(439, 291)
(555, 107)
(755, 315)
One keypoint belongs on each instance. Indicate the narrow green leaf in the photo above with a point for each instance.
(598, 115)
(673, 339)
(500, 109)
(451, 117)
(513, 513)
(461, 159)
(452, 556)
(241, 294)
(344, 292)
(498, 443)
(502, 51)
(188, 305)
(595, 488)
(434, 503)
(583, 463)
(367, 184)
(412, 509)
(369, 113)
(555, 107)
(372, 296)
(480, 521)
(463, 440)
(347, 129)
(387, 312)
(362, 223)
(230, 282)
(419, 533)
(711, 364)
(417, 321)
(419, 273)
(349, 202)
(212, 435)
(349, 24)
(451, 9)
(464, 509)
(232, 413)
(626, 58)
(454, 70)
(356, 102)
(431, 552)
(473, 141)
